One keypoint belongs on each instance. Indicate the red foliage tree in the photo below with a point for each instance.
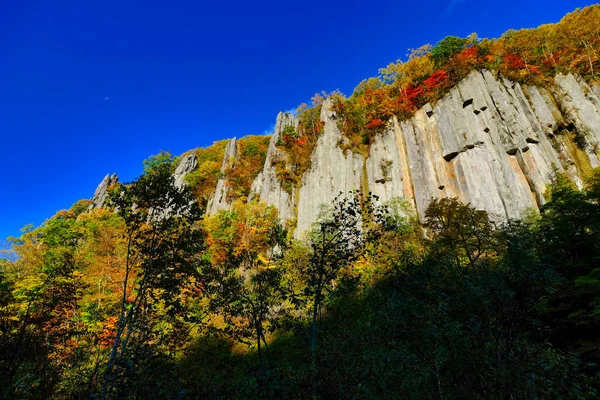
(469, 56)
(375, 123)
(436, 80)
(513, 61)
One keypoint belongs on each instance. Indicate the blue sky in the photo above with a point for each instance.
(94, 87)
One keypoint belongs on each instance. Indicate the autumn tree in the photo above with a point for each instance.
(203, 179)
(459, 231)
(242, 170)
(39, 292)
(570, 240)
(164, 247)
(245, 279)
(446, 48)
(338, 239)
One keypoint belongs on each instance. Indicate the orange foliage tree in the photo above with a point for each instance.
(251, 155)
(245, 279)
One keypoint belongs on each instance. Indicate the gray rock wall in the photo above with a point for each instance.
(101, 193)
(266, 186)
(187, 164)
(495, 144)
(489, 142)
(219, 200)
(331, 172)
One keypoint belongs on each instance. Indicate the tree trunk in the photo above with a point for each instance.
(260, 355)
(121, 324)
(313, 341)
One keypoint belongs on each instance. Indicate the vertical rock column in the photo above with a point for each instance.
(331, 172)
(187, 165)
(219, 200)
(101, 193)
(267, 186)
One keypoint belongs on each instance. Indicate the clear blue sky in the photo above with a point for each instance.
(96, 86)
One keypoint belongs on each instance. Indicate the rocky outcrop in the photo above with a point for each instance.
(187, 164)
(332, 172)
(386, 168)
(489, 142)
(266, 186)
(101, 193)
(219, 201)
(494, 144)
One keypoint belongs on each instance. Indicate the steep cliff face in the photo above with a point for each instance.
(489, 142)
(219, 201)
(387, 168)
(101, 193)
(494, 144)
(266, 186)
(187, 165)
(331, 172)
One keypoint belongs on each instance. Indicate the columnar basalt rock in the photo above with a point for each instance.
(187, 165)
(384, 167)
(332, 172)
(489, 142)
(101, 193)
(220, 201)
(267, 186)
(494, 144)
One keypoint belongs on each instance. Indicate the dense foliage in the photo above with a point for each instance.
(203, 179)
(153, 302)
(298, 144)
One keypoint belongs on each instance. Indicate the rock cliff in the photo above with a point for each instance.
(187, 164)
(331, 172)
(266, 186)
(489, 142)
(101, 193)
(219, 201)
(495, 144)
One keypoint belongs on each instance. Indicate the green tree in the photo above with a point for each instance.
(39, 292)
(570, 240)
(446, 48)
(459, 231)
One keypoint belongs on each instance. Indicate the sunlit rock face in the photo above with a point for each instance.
(186, 166)
(101, 193)
(219, 201)
(266, 186)
(495, 144)
(332, 172)
(489, 142)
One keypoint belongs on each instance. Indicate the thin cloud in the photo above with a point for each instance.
(451, 6)
(269, 131)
